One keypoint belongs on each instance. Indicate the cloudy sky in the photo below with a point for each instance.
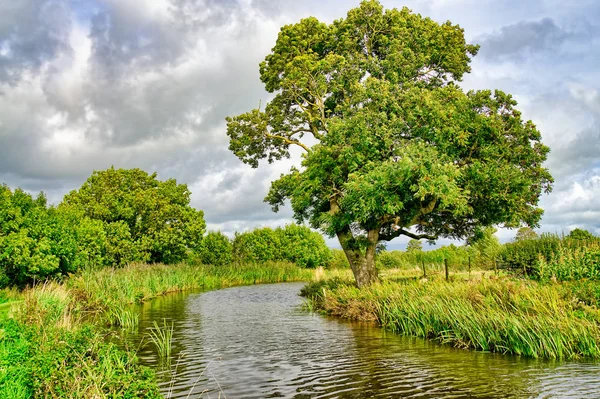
(86, 84)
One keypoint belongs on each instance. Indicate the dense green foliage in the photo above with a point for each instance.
(292, 243)
(551, 256)
(400, 148)
(517, 317)
(37, 242)
(215, 249)
(155, 216)
(580, 234)
(62, 363)
(117, 217)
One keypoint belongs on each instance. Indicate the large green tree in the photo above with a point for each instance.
(392, 145)
(155, 215)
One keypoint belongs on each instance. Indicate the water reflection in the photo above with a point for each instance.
(255, 342)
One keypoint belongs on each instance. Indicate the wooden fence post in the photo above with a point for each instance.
(446, 267)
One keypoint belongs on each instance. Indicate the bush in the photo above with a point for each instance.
(522, 256)
(161, 224)
(551, 256)
(216, 249)
(34, 243)
(257, 246)
(302, 246)
(292, 243)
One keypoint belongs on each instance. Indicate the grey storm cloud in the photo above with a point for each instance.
(86, 84)
(31, 32)
(522, 39)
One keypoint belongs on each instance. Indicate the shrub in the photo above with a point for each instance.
(302, 246)
(522, 256)
(257, 246)
(550, 256)
(292, 243)
(216, 249)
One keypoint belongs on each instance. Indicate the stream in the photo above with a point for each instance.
(258, 342)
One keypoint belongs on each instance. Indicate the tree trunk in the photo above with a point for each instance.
(362, 264)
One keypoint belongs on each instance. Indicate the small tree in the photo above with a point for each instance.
(487, 246)
(414, 246)
(216, 249)
(400, 148)
(580, 234)
(525, 233)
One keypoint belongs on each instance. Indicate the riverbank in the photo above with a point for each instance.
(51, 343)
(558, 321)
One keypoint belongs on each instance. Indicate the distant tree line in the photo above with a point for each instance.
(119, 216)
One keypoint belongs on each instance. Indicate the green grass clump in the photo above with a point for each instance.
(162, 338)
(507, 316)
(56, 362)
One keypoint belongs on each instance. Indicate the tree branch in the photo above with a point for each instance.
(401, 232)
(287, 140)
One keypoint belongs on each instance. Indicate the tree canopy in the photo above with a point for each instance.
(155, 214)
(581, 234)
(392, 145)
(525, 233)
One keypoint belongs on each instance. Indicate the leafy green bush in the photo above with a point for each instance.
(257, 246)
(216, 249)
(292, 243)
(34, 244)
(302, 246)
(522, 256)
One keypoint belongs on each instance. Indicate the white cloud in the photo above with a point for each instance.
(145, 83)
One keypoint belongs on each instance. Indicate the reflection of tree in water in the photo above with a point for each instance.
(254, 342)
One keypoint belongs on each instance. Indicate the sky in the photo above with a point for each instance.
(89, 84)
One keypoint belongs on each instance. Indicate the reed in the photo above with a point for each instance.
(507, 316)
(162, 338)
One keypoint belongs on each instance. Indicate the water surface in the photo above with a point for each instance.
(257, 342)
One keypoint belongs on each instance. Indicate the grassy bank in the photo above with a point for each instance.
(502, 315)
(50, 343)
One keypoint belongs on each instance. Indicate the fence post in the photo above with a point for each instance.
(469, 265)
(446, 267)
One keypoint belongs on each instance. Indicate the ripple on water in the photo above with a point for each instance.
(255, 342)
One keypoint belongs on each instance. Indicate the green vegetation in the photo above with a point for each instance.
(153, 216)
(116, 217)
(400, 148)
(51, 345)
(507, 316)
(293, 243)
(162, 338)
(554, 257)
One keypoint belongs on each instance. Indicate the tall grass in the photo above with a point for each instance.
(571, 263)
(105, 293)
(516, 317)
(162, 338)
